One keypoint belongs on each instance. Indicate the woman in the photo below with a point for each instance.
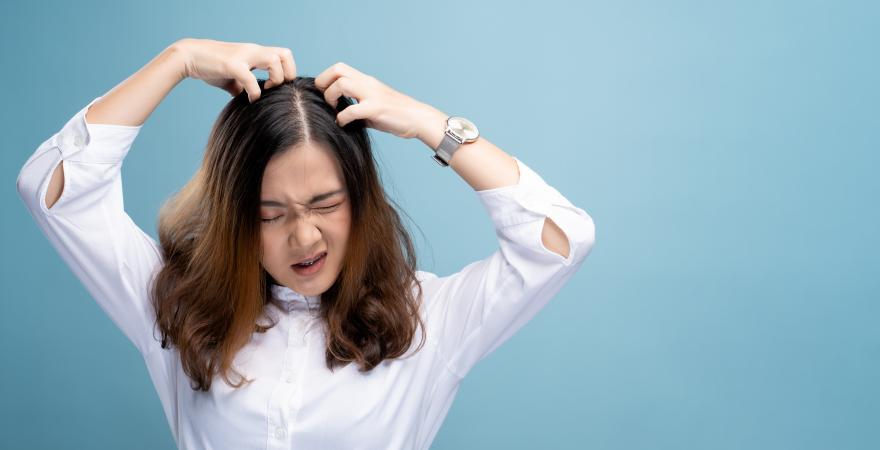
(282, 262)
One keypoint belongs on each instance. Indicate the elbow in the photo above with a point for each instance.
(573, 241)
(28, 191)
(585, 240)
(569, 237)
(591, 232)
(33, 175)
(23, 185)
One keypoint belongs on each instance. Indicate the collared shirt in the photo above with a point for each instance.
(295, 402)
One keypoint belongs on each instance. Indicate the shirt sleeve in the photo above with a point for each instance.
(481, 306)
(88, 226)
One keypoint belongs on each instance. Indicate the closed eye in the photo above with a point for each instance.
(329, 208)
(323, 209)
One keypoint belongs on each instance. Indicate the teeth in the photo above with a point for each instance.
(309, 263)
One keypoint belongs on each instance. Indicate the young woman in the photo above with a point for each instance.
(282, 262)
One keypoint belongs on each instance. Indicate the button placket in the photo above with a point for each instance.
(279, 408)
(295, 341)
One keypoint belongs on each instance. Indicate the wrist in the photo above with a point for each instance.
(432, 126)
(178, 56)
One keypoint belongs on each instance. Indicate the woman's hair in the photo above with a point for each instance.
(212, 288)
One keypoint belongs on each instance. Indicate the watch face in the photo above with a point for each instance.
(463, 128)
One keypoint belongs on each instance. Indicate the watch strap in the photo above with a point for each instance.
(446, 149)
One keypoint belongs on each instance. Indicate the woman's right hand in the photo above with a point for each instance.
(228, 65)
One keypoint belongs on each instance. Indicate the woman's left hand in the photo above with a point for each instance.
(382, 107)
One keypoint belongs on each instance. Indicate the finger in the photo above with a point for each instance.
(342, 86)
(233, 87)
(246, 78)
(276, 71)
(260, 58)
(287, 62)
(330, 74)
(354, 112)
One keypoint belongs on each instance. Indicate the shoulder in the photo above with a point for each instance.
(427, 282)
(422, 275)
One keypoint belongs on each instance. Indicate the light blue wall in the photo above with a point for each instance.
(727, 153)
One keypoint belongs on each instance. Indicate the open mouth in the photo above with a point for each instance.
(310, 268)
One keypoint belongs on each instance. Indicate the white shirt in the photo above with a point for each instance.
(295, 402)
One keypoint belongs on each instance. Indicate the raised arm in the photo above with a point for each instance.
(226, 65)
(72, 184)
(543, 238)
(130, 102)
(484, 166)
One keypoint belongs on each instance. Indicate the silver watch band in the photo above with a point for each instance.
(444, 151)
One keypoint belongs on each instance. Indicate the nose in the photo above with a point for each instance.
(304, 234)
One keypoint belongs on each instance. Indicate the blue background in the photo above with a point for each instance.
(726, 151)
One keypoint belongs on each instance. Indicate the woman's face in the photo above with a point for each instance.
(304, 211)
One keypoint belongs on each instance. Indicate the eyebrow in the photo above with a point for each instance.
(315, 199)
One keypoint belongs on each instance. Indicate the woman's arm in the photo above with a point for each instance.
(87, 224)
(484, 166)
(543, 238)
(130, 102)
(226, 65)
(480, 163)
(133, 100)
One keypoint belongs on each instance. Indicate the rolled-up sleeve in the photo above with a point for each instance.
(481, 306)
(88, 226)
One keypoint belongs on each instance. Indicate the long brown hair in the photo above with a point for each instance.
(212, 289)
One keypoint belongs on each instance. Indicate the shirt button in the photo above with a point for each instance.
(290, 378)
(79, 140)
(279, 432)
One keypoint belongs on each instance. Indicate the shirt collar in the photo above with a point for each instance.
(288, 295)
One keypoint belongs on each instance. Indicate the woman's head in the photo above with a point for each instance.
(305, 212)
(280, 181)
(305, 207)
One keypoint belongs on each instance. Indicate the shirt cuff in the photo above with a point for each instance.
(81, 141)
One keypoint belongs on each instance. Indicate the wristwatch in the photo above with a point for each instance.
(458, 131)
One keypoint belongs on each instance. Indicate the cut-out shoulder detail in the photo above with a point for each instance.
(56, 186)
